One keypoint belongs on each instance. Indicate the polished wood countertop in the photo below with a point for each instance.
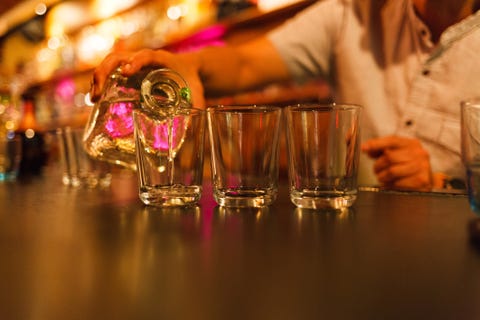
(71, 253)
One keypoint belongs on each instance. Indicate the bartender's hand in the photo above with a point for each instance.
(130, 62)
(400, 163)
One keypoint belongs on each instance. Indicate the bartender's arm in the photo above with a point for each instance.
(216, 70)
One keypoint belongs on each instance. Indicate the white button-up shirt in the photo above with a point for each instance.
(381, 57)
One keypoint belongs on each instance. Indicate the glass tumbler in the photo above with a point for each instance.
(470, 134)
(323, 151)
(169, 155)
(244, 154)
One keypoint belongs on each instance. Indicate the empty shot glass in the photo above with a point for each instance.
(79, 169)
(169, 153)
(470, 134)
(244, 154)
(323, 151)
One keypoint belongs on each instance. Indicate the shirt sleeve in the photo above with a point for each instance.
(306, 41)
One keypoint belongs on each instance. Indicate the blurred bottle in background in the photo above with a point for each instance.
(34, 155)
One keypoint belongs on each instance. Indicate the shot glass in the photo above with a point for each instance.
(470, 136)
(244, 154)
(79, 169)
(323, 153)
(10, 156)
(169, 153)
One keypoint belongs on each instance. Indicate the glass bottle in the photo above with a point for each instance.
(109, 131)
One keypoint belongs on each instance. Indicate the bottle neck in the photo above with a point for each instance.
(164, 89)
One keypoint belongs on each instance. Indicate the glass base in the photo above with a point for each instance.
(245, 198)
(171, 196)
(323, 200)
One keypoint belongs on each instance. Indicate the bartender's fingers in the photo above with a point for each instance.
(149, 57)
(103, 70)
(378, 146)
(375, 147)
(130, 63)
(402, 170)
(415, 155)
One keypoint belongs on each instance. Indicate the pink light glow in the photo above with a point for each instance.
(211, 36)
(161, 134)
(120, 121)
(65, 90)
(120, 124)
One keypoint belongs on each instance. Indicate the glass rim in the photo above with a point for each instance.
(243, 107)
(180, 111)
(323, 106)
(472, 102)
(194, 109)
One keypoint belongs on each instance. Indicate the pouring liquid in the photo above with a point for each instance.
(161, 137)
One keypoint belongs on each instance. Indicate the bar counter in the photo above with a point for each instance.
(75, 253)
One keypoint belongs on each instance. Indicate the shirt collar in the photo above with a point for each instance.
(455, 33)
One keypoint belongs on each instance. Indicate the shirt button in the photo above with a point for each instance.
(408, 123)
(426, 72)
